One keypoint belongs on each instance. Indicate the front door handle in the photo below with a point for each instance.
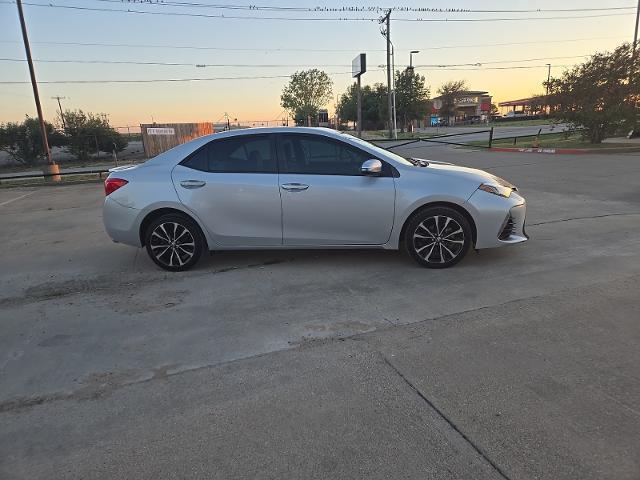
(189, 184)
(294, 187)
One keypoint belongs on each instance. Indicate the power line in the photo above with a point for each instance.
(321, 50)
(359, 9)
(507, 19)
(491, 62)
(401, 9)
(158, 80)
(246, 65)
(262, 77)
(173, 64)
(182, 14)
(515, 67)
(356, 19)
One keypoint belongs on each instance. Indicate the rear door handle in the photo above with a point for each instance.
(294, 187)
(189, 184)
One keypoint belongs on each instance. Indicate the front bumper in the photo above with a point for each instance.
(499, 221)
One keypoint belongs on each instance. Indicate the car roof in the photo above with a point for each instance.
(261, 130)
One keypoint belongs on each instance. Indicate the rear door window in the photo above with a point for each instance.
(241, 154)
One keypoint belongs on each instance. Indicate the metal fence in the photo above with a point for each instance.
(437, 139)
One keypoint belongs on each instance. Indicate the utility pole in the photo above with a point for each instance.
(34, 84)
(546, 98)
(393, 89)
(387, 20)
(635, 35)
(58, 97)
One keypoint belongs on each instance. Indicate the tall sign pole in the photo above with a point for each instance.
(358, 67)
(34, 84)
(359, 107)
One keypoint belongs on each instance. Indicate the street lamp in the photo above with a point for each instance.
(411, 57)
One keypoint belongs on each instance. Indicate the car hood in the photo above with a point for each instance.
(471, 174)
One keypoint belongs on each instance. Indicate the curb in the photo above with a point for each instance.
(566, 151)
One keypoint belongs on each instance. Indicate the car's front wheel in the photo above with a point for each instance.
(174, 242)
(438, 237)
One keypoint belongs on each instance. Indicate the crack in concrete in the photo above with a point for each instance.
(442, 415)
(583, 218)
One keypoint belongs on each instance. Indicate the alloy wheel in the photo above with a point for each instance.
(438, 239)
(172, 244)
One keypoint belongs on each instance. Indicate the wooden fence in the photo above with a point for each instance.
(160, 137)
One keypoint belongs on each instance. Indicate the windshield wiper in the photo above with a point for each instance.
(418, 162)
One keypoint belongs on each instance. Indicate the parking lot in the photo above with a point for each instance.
(518, 363)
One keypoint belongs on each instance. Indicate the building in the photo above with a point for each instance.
(470, 106)
(524, 106)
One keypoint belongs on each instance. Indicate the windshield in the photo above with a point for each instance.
(380, 150)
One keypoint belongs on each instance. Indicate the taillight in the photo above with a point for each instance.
(113, 184)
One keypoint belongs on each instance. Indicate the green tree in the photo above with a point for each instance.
(412, 97)
(305, 94)
(374, 106)
(601, 95)
(84, 130)
(23, 141)
(449, 92)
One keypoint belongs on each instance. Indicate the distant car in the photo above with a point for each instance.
(513, 114)
(312, 188)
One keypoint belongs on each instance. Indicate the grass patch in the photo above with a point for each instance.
(65, 180)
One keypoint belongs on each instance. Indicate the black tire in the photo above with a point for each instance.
(174, 242)
(438, 237)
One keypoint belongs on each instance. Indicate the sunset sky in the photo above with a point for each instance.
(259, 47)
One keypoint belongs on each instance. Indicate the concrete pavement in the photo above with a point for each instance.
(517, 363)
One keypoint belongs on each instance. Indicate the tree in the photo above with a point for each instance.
(306, 92)
(449, 92)
(494, 110)
(600, 95)
(84, 130)
(23, 141)
(374, 106)
(412, 97)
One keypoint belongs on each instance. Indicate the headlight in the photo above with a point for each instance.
(499, 190)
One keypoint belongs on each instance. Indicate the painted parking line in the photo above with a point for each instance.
(17, 198)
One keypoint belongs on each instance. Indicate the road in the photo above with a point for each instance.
(518, 363)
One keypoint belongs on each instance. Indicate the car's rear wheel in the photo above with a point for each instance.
(174, 242)
(438, 237)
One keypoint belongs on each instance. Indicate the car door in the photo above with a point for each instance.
(231, 184)
(326, 200)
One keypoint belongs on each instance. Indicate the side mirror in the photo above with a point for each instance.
(371, 167)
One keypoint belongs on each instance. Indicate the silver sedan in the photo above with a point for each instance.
(312, 188)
